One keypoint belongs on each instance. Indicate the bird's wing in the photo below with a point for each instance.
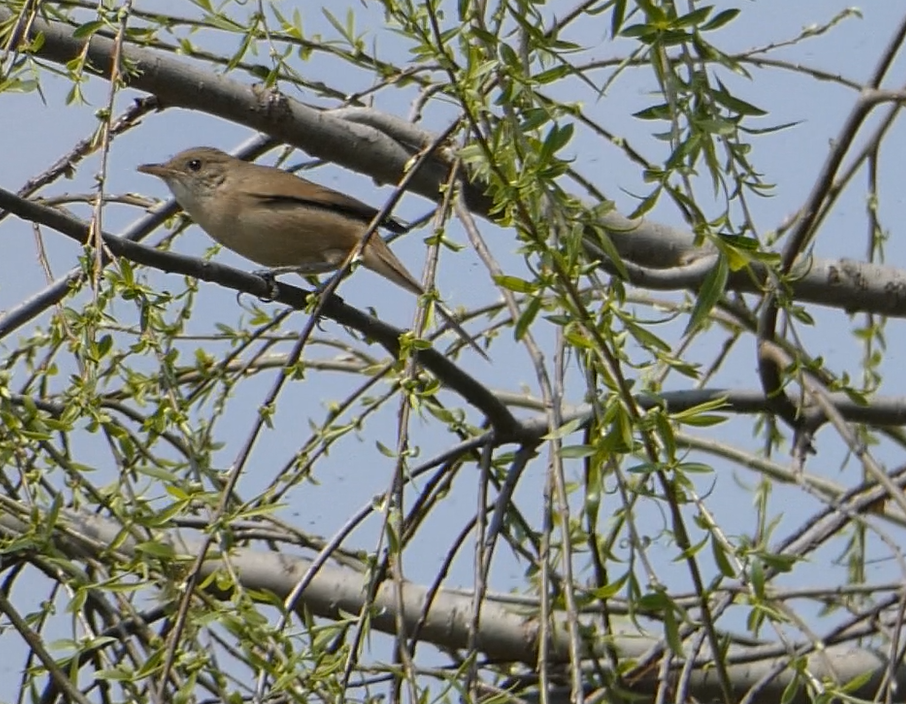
(286, 190)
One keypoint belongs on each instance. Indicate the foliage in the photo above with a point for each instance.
(211, 499)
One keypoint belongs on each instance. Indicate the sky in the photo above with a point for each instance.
(35, 132)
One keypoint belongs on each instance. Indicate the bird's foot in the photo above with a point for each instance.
(270, 278)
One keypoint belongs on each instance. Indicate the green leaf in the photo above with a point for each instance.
(735, 104)
(791, 691)
(655, 112)
(552, 74)
(87, 29)
(518, 285)
(564, 430)
(576, 452)
(646, 338)
(384, 450)
(617, 15)
(647, 204)
(337, 25)
(671, 630)
(712, 289)
(636, 31)
(18, 85)
(604, 240)
(691, 551)
(694, 18)
(740, 241)
(855, 396)
(769, 130)
(105, 344)
(721, 19)
(653, 12)
(756, 577)
(533, 118)
(509, 55)
(557, 138)
(857, 682)
(157, 472)
(779, 563)
(63, 645)
(695, 468)
(527, 318)
(721, 128)
(156, 548)
(611, 588)
(721, 559)
(704, 421)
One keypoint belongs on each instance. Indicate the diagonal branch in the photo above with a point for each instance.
(473, 391)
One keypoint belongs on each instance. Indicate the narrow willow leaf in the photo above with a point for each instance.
(721, 19)
(712, 289)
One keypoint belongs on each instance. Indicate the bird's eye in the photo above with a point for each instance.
(194, 164)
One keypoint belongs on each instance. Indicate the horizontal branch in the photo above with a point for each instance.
(504, 635)
(664, 258)
(879, 411)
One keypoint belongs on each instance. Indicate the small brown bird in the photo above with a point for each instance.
(281, 221)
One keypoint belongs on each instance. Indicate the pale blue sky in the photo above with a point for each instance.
(35, 135)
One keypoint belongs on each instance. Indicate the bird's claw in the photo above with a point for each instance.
(270, 278)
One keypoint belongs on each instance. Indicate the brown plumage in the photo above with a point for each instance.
(281, 221)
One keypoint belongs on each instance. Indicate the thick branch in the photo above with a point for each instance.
(504, 635)
(880, 411)
(178, 83)
(361, 145)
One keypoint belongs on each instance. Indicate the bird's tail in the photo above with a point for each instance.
(379, 258)
(460, 330)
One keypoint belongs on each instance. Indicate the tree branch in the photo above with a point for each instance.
(359, 143)
(475, 393)
(507, 636)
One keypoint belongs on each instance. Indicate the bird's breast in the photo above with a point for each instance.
(282, 235)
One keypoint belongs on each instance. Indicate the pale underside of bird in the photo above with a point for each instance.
(281, 221)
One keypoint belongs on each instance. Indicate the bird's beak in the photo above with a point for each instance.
(160, 170)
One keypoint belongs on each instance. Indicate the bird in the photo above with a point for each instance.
(281, 221)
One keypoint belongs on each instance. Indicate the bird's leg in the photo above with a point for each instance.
(305, 269)
(308, 269)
